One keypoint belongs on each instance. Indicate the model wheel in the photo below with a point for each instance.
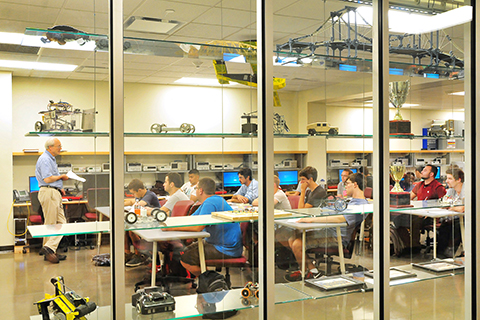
(131, 218)
(246, 292)
(333, 131)
(38, 126)
(185, 128)
(24, 251)
(311, 132)
(155, 128)
(192, 128)
(340, 205)
(139, 308)
(256, 293)
(160, 215)
(245, 302)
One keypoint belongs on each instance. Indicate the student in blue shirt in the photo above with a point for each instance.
(225, 240)
(249, 189)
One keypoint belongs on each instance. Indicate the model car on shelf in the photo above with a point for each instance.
(321, 127)
(132, 215)
(153, 300)
(184, 128)
(250, 290)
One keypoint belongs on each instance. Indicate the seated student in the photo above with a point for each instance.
(189, 187)
(313, 197)
(225, 240)
(448, 235)
(144, 198)
(173, 182)
(249, 189)
(280, 199)
(354, 186)
(407, 183)
(341, 185)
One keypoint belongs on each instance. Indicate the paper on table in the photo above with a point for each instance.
(74, 176)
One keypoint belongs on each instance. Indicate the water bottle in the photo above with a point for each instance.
(323, 184)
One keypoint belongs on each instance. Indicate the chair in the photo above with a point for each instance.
(356, 242)
(162, 202)
(239, 262)
(181, 208)
(294, 201)
(368, 193)
(36, 217)
(96, 197)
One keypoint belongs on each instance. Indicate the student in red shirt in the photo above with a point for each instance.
(429, 188)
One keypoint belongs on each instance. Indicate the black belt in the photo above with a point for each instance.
(58, 189)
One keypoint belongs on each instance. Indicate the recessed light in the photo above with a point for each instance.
(30, 65)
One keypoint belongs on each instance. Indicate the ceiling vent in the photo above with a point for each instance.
(153, 25)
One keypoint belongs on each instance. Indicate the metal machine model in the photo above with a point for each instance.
(61, 116)
(152, 300)
(131, 216)
(279, 123)
(337, 205)
(250, 289)
(184, 128)
(321, 127)
(66, 305)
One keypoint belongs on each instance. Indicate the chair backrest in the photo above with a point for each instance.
(162, 202)
(36, 206)
(181, 208)
(368, 193)
(294, 201)
(98, 197)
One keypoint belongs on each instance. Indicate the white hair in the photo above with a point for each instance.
(50, 142)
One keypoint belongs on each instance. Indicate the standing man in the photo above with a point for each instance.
(225, 241)
(50, 182)
(189, 187)
(249, 189)
(314, 197)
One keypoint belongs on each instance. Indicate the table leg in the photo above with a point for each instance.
(434, 238)
(303, 253)
(99, 236)
(201, 253)
(154, 264)
(462, 232)
(340, 250)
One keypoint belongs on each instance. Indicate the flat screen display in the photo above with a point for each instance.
(340, 173)
(438, 173)
(288, 177)
(33, 184)
(230, 179)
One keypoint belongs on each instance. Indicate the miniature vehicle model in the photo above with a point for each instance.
(250, 289)
(65, 304)
(131, 217)
(338, 205)
(152, 300)
(321, 127)
(64, 34)
(438, 128)
(184, 128)
(62, 116)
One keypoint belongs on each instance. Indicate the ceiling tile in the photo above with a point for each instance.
(30, 13)
(203, 30)
(83, 20)
(183, 12)
(97, 6)
(226, 17)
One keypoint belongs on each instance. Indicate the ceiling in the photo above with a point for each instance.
(202, 21)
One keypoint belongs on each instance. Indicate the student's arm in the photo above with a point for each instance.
(301, 201)
(128, 202)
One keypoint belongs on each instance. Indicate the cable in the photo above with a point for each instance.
(8, 229)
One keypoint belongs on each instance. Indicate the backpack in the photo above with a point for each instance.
(397, 245)
(212, 285)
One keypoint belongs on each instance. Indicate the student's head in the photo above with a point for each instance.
(206, 188)
(345, 174)
(429, 172)
(308, 173)
(193, 176)
(245, 175)
(364, 170)
(409, 177)
(137, 188)
(455, 176)
(172, 181)
(355, 180)
(53, 146)
(276, 182)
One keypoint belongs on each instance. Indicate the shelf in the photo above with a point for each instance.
(397, 151)
(159, 153)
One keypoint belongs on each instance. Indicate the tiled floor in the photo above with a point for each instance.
(25, 279)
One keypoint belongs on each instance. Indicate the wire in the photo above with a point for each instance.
(8, 218)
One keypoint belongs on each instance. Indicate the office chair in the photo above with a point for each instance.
(239, 262)
(35, 217)
(294, 201)
(368, 193)
(181, 208)
(355, 245)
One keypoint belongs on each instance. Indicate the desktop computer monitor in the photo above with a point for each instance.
(230, 179)
(439, 172)
(288, 177)
(340, 173)
(33, 184)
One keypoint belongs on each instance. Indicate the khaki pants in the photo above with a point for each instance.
(51, 202)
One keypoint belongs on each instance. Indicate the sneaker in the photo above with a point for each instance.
(297, 276)
(49, 255)
(136, 261)
(129, 256)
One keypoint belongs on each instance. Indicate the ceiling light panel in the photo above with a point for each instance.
(152, 25)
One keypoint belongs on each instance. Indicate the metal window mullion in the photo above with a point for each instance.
(117, 163)
(381, 214)
(265, 158)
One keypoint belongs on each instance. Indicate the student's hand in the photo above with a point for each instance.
(303, 187)
(242, 199)
(64, 177)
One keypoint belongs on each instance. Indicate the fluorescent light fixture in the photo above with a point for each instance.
(11, 38)
(407, 22)
(458, 93)
(201, 82)
(154, 25)
(346, 67)
(29, 65)
(431, 75)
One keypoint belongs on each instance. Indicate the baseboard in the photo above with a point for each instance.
(6, 248)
